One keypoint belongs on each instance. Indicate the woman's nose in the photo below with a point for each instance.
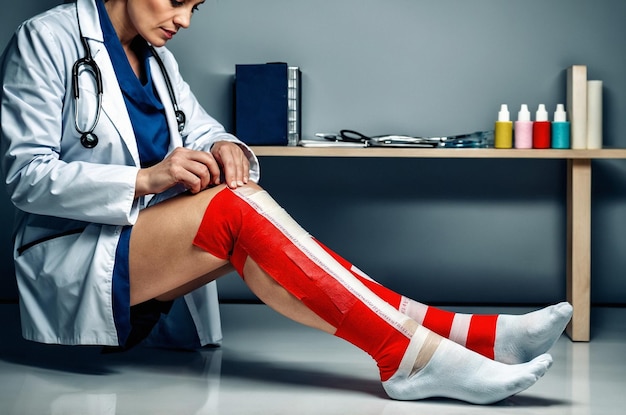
(183, 19)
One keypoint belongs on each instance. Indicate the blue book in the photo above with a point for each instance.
(264, 104)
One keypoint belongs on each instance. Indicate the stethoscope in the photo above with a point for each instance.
(87, 137)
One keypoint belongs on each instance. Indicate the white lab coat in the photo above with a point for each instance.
(72, 201)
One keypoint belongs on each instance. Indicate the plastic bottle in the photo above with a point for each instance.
(523, 129)
(560, 128)
(541, 128)
(504, 129)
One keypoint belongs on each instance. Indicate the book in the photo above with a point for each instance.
(267, 104)
(594, 114)
(577, 104)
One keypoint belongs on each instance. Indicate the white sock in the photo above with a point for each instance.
(453, 371)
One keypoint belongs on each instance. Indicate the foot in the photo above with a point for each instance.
(458, 373)
(521, 338)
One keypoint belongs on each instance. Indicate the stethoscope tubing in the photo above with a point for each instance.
(181, 119)
(87, 138)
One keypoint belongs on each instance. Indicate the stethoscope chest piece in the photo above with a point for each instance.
(181, 119)
(89, 140)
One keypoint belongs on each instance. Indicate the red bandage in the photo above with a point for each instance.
(391, 297)
(479, 336)
(246, 223)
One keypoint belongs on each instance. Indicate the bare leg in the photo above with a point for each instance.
(163, 260)
(197, 283)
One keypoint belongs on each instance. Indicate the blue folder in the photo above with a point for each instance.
(261, 103)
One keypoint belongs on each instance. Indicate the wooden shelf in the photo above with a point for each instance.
(578, 278)
(285, 151)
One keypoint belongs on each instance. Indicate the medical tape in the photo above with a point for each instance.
(389, 296)
(232, 230)
(420, 351)
(301, 243)
(439, 321)
(460, 328)
(414, 309)
(481, 336)
(361, 274)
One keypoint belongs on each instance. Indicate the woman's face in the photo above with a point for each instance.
(157, 21)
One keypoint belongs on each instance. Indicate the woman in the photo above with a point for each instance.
(121, 215)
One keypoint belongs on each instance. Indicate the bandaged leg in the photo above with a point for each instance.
(414, 362)
(502, 337)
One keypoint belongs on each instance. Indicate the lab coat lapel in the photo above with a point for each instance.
(89, 20)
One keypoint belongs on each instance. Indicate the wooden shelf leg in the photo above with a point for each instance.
(579, 247)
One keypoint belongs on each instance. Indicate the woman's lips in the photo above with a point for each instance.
(168, 33)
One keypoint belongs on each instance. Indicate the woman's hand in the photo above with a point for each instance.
(195, 170)
(233, 163)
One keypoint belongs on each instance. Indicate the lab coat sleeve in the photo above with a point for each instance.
(202, 130)
(40, 177)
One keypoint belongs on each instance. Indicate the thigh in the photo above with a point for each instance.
(162, 257)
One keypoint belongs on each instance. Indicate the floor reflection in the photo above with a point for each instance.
(269, 365)
(139, 382)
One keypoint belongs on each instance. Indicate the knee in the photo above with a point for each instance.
(248, 189)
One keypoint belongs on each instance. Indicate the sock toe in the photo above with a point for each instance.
(520, 339)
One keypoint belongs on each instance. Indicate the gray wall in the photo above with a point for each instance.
(447, 231)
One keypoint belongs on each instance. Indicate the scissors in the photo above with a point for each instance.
(352, 136)
(476, 139)
(349, 136)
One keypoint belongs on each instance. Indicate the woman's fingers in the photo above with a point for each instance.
(196, 170)
(233, 162)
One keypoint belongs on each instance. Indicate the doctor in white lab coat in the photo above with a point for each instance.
(73, 201)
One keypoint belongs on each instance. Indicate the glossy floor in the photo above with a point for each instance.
(269, 365)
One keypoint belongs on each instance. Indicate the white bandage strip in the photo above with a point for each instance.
(362, 274)
(460, 328)
(414, 309)
(421, 348)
